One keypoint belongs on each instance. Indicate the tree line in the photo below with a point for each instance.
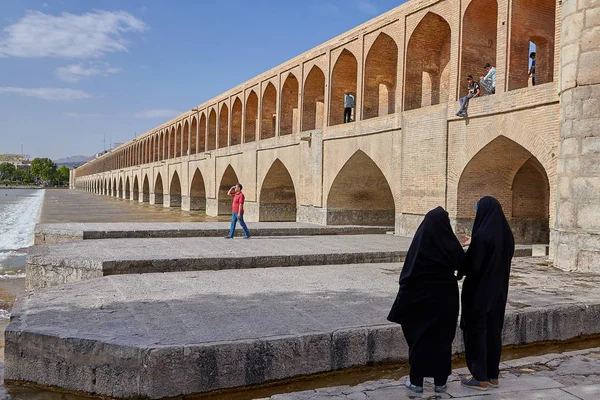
(41, 171)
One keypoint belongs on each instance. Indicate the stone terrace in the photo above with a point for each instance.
(192, 332)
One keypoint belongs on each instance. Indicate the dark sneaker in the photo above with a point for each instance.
(473, 383)
(413, 388)
(228, 237)
(493, 383)
(441, 389)
(246, 237)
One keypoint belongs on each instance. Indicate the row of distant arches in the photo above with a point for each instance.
(255, 115)
(361, 194)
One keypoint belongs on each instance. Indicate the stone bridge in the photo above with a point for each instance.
(282, 134)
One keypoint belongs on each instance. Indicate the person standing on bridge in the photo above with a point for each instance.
(484, 293)
(237, 209)
(348, 106)
(427, 302)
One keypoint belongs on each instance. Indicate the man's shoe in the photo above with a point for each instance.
(473, 383)
(413, 388)
(493, 383)
(228, 237)
(441, 389)
(246, 237)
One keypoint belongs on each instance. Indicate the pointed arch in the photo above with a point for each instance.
(507, 171)
(175, 191)
(212, 131)
(178, 141)
(114, 188)
(343, 81)
(185, 151)
(120, 191)
(223, 126)
(146, 190)
(172, 143)
(289, 106)
(313, 106)
(250, 131)
(127, 189)
(236, 122)
(427, 60)
(269, 112)
(194, 136)
(380, 78)
(277, 200)
(228, 179)
(360, 194)
(158, 190)
(198, 192)
(136, 189)
(202, 134)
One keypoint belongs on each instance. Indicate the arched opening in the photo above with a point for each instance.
(343, 81)
(313, 105)
(479, 40)
(251, 117)
(509, 172)
(236, 122)
(178, 141)
(120, 192)
(277, 195)
(186, 139)
(380, 78)
(228, 180)
(427, 63)
(127, 189)
(202, 134)
(136, 189)
(212, 131)
(194, 137)
(158, 190)
(360, 195)
(289, 106)
(269, 112)
(531, 21)
(175, 191)
(172, 143)
(114, 188)
(223, 126)
(146, 190)
(198, 192)
(106, 189)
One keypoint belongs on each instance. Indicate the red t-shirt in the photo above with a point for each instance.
(238, 202)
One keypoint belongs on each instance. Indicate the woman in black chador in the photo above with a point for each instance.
(484, 293)
(427, 302)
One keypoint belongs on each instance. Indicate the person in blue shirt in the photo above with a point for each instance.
(532, 68)
(489, 80)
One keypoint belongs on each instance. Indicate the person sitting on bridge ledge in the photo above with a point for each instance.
(474, 91)
(489, 80)
(237, 209)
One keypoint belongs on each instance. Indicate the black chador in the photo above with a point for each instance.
(427, 302)
(485, 290)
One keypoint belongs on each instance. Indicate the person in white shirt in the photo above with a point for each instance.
(489, 80)
(348, 106)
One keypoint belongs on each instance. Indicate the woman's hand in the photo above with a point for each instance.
(467, 241)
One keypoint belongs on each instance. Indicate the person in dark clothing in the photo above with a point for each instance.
(427, 302)
(484, 293)
(532, 68)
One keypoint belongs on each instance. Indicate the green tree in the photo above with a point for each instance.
(63, 174)
(7, 172)
(44, 168)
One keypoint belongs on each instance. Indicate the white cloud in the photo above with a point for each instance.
(68, 36)
(368, 7)
(159, 113)
(80, 115)
(76, 72)
(50, 94)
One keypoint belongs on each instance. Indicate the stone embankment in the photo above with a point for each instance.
(161, 335)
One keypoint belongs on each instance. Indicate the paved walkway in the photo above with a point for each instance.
(568, 376)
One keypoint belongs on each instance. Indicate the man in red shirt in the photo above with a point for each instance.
(237, 209)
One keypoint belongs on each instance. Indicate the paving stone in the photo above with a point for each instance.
(585, 392)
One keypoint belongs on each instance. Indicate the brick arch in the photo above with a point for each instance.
(175, 191)
(380, 77)
(343, 80)
(313, 100)
(228, 179)
(289, 106)
(178, 141)
(212, 130)
(269, 112)
(509, 172)
(194, 136)
(251, 123)
(114, 188)
(158, 190)
(127, 189)
(186, 139)
(202, 134)
(223, 138)
(277, 200)
(120, 191)
(427, 64)
(198, 191)
(236, 121)
(360, 194)
(146, 189)
(136, 189)
(172, 142)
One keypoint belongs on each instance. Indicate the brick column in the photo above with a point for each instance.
(576, 237)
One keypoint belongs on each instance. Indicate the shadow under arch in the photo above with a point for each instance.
(198, 192)
(507, 171)
(175, 191)
(146, 190)
(360, 195)
(228, 180)
(136, 189)
(158, 190)
(277, 200)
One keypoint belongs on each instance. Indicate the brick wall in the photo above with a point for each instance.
(343, 80)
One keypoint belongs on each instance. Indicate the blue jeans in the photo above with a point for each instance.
(234, 219)
(464, 103)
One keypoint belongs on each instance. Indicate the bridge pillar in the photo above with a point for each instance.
(575, 240)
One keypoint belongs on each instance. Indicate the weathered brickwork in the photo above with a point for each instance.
(282, 134)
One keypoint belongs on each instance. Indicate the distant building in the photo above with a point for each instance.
(20, 161)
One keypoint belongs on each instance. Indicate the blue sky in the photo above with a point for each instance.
(72, 71)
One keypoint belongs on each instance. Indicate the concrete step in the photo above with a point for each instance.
(166, 335)
(69, 232)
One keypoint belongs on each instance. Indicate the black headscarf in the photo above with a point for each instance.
(427, 278)
(488, 261)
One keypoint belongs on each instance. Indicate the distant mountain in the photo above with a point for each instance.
(73, 161)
